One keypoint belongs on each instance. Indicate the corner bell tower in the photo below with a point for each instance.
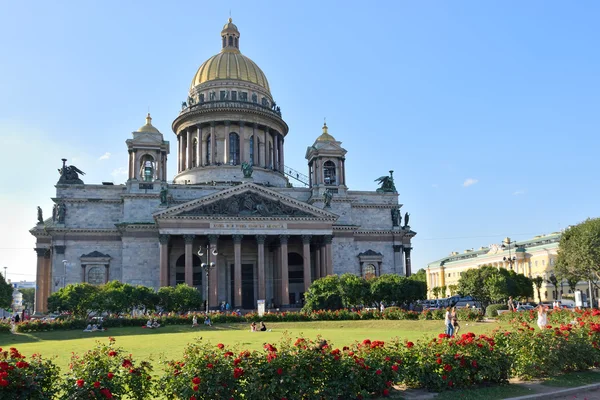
(147, 154)
(326, 165)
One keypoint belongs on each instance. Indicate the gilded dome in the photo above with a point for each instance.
(230, 63)
(148, 127)
(325, 136)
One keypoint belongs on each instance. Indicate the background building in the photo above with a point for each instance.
(231, 203)
(533, 257)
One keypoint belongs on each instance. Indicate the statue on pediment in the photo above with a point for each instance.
(164, 195)
(406, 216)
(327, 196)
(396, 217)
(61, 213)
(40, 217)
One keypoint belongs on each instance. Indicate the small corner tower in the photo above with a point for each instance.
(147, 154)
(326, 169)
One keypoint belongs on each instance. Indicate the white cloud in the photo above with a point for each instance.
(119, 171)
(105, 156)
(518, 193)
(469, 182)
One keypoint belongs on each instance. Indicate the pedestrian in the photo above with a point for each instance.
(455, 324)
(381, 307)
(511, 304)
(448, 323)
(542, 320)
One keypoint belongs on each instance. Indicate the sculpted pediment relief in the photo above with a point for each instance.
(245, 205)
(247, 200)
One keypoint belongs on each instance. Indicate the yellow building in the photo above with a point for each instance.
(533, 257)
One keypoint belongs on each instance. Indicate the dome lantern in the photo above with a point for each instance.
(230, 37)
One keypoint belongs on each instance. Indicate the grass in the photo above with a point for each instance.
(170, 341)
(573, 379)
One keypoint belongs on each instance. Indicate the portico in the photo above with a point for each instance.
(268, 246)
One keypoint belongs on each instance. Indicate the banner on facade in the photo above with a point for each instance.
(261, 307)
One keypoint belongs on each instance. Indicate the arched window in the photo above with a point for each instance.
(224, 41)
(147, 168)
(252, 149)
(237, 43)
(207, 150)
(230, 40)
(234, 148)
(329, 173)
(201, 97)
(195, 153)
(369, 271)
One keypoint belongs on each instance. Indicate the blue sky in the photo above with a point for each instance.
(504, 95)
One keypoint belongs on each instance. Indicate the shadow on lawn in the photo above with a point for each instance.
(7, 339)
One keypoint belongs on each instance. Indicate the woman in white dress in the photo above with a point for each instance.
(542, 316)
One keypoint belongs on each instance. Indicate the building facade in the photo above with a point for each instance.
(533, 257)
(230, 204)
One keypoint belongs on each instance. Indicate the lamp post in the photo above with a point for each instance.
(207, 266)
(511, 259)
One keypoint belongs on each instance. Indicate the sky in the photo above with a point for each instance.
(488, 112)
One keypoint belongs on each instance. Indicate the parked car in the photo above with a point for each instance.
(524, 307)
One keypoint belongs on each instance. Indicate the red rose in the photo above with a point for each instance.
(378, 372)
(112, 353)
(192, 397)
(386, 392)
(279, 371)
(196, 380)
(237, 361)
(106, 393)
(195, 388)
(96, 384)
(110, 375)
(209, 366)
(409, 344)
(394, 368)
(439, 361)
(220, 345)
(447, 367)
(474, 363)
(80, 382)
(4, 383)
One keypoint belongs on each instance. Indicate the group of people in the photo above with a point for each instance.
(94, 328)
(207, 321)
(451, 322)
(256, 328)
(152, 324)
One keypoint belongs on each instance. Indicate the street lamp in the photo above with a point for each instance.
(207, 266)
(511, 259)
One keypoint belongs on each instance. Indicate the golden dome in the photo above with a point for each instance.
(325, 137)
(230, 63)
(148, 127)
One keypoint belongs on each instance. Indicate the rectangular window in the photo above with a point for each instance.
(223, 95)
(233, 95)
(243, 96)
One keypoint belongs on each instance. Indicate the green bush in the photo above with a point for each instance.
(491, 311)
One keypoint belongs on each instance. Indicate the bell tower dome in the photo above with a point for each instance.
(326, 164)
(147, 154)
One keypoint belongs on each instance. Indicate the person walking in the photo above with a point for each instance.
(448, 323)
(455, 324)
(542, 320)
(511, 304)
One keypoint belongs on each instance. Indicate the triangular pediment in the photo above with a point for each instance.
(247, 200)
(147, 138)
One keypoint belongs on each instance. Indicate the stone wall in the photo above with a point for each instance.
(141, 261)
(92, 215)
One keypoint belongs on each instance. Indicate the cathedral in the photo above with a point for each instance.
(235, 222)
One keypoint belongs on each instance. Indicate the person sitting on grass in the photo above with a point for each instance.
(194, 322)
(149, 324)
(263, 328)
(253, 327)
(207, 321)
(88, 328)
(155, 324)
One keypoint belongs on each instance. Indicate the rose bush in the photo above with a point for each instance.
(27, 378)
(107, 372)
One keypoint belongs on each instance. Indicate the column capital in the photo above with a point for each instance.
(327, 239)
(227, 122)
(212, 239)
(189, 239)
(242, 123)
(397, 248)
(41, 252)
(283, 239)
(212, 124)
(237, 239)
(306, 239)
(255, 125)
(163, 239)
(60, 249)
(260, 239)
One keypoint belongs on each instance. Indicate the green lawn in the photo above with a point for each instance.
(169, 341)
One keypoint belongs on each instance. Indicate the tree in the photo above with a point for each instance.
(6, 291)
(572, 282)
(554, 283)
(453, 289)
(28, 298)
(518, 286)
(485, 284)
(435, 291)
(323, 294)
(78, 298)
(187, 298)
(538, 281)
(354, 290)
(443, 290)
(420, 275)
(579, 251)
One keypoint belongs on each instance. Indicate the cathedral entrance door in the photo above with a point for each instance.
(248, 301)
